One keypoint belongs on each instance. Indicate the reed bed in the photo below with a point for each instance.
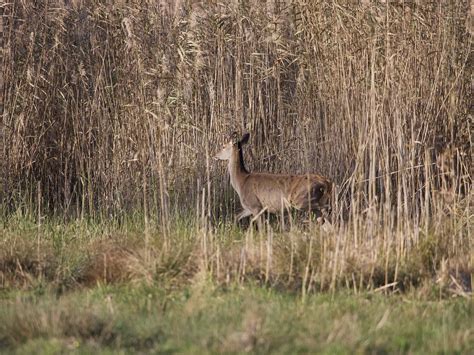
(112, 109)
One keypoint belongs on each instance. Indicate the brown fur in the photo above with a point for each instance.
(273, 192)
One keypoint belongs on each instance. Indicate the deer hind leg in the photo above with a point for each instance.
(317, 203)
(322, 213)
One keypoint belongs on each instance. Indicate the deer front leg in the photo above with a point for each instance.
(243, 214)
(257, 217)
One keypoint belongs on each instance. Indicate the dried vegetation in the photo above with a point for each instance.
(112, 108)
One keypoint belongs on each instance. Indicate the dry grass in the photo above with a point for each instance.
(114, 108)
(74, 256)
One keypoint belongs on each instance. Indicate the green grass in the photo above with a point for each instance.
(107, 287)
(205, 318)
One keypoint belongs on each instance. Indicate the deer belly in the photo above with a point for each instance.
(274, 203)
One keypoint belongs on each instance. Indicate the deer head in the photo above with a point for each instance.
(234, 144)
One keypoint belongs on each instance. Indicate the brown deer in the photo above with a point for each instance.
(259, 192)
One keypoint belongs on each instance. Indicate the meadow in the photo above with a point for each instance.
(116, 225)
(86, 287)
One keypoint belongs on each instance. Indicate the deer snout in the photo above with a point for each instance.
(222, 155)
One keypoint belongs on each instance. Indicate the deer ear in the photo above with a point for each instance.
(234, 136)
(245, 138)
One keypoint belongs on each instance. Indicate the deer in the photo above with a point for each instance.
(259, 192)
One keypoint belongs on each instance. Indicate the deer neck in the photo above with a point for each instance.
(237, 170)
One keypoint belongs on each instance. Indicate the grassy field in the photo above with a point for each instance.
(107, 287)
(205, 318)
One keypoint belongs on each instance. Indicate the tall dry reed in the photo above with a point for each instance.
(113, 107)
